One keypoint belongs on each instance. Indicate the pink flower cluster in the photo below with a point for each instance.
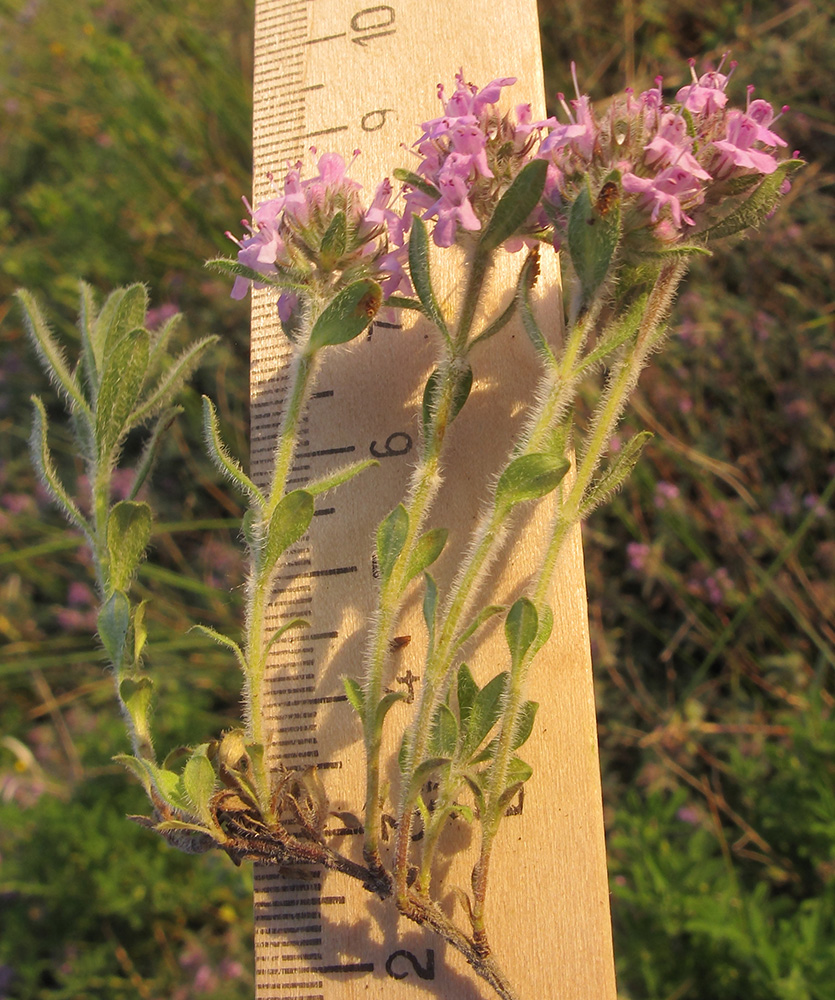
(673, 159)
(670, 164)
(296, 235)
(470, 155)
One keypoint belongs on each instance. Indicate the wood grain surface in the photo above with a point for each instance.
(337, 76)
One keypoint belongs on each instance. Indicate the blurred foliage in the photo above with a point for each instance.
(126, 146)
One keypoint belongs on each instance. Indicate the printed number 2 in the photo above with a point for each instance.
(424, 971)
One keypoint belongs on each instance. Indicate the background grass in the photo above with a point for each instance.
(125, 147)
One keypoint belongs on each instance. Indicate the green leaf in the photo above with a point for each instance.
(463, 376)
(756, 208)
(233, 268)
(113, 623)
(42, 460)
(483, 616)
(339, 477)
(86, 326)
(221, 457)
(333, 244)
(515, 206)
(123, 312)
(391, 536)
(524, 725)
(151, 449)
(524, 287)
(420, 275)
(467, 691)
(52, 355)
(402, 302)
(128, 534)
(543, 633)
(424, 770)
(125, 369)
(426, 550)
(290, 520)
(520, 629)
(279, 632)
(592, 240)
(224, 640)
(493, 328)
(530, 477)
(484, 714)
(199, 781)
(140, 632)
(136, 694)
(137, 768)
(474, 780)
(389, 699)
(172, 381)
(416, 181)
(355, 694)
(346, 315)
(616, 474)
(430, 604)
(170, 786)
(444, 735)
(518, 773)
(615, 335)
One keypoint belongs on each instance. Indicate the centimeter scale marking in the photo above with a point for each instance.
(337, 75)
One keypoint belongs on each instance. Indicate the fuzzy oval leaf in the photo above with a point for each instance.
(756, 208)
(290, 520)
(113, 623)
(592, 240)
(616, 474)
(124, 310)
(484, 713)
(424, 770)
(389, 699)
(518, 773)
(347, 315)
(427, 549)
(355, 694)
(391, 536)
(126, 367)
(515, 205)
(444, 736)
(460, 395)
(530, 477)
(520, 629)
(334, 241)
(430, 604)
(524, 726)
(199, 784)
(467, 691)
(128, 534)
(419, 272)
(416, 181)
(140, 631)
(524, 287)
(136, 694)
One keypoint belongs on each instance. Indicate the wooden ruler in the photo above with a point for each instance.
(340, 76)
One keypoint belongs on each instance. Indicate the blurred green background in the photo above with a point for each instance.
(125, 148)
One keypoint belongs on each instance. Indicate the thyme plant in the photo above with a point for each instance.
(627, 196)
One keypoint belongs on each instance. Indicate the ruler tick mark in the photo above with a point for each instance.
(325, 38)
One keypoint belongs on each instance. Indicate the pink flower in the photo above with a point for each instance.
(706, 94)
(736, 150)
(668, 189)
